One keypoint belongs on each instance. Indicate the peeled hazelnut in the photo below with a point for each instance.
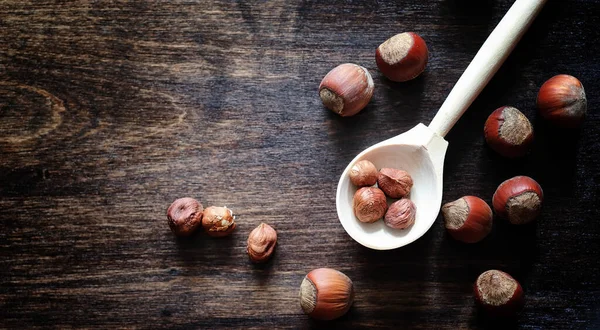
(498, 294)
(346, 89)
(326, 294)
(401, 214)
(261, 243)
(402, 57)
(562, 101)
(394, 183)
(508, 132)
(363, 173)
(468, 219)
(218, 221)
(518, 199)
(184, 216)
(369, 204)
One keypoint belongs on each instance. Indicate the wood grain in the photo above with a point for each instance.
(110, 110)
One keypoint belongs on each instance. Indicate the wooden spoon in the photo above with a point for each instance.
(421, 150)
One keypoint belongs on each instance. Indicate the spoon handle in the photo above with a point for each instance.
(484, 65)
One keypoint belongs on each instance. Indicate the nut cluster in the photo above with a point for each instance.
(370, 202)
(185, 215)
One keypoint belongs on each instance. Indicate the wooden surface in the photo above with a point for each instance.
(110, 110)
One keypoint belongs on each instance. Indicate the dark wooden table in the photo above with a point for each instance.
(110, 110)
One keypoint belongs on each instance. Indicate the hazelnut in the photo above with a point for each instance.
(401, 214)
(402, 57)
(562, 101)
(346, 89)
(394, 183)
(184, 216)
(326, 294)
(468, 219)
(518, 199)
(508, 132)
(218, 221)
(369, 204)
(363, 173)
(261, 243)
(498, 294)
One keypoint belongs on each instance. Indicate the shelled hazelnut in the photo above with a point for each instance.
(562, 101)
(184, 216)
(508, 132)
(401, 214)
(369, 204)
(395, 183)
(218, 221)
(402, 57)
(346, 89)
(498, 294)
(261, 243)
(363, 173)
(326, 294)
(468, 219)
(519, 200)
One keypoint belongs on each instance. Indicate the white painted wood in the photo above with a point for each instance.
(484, 65)
(421, 150)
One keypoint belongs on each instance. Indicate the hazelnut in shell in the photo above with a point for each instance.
(184, 216)
(369, 204)
(508, 132)
(401, 214)
(561, 100)
(261, 243)
(402, 57)
(519, 200)
(326, 294)
(346, 89)
(395, 183)
(468, 219)
(218, 221)
(363, 173)
(498, 294)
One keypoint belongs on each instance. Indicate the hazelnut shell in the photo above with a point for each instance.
(468, 219)
(508, 132)
(561, 100)
(402, 57)
(346, 89)
(519, 200)
(369, 204)
(498, 294)
(218, 221)
(184, 216)
(326, 294)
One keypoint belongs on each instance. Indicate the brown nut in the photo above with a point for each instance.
(394, 183)
(468, 219)
(562, 101)
(519, 200)
(508, 132)
(369, 204)
(402, 57)
(218, 221)
(346, 89)
(498, 294)
(363, 173)
(326, 294)
(261, 243)
(184, 216)
(401, 214)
